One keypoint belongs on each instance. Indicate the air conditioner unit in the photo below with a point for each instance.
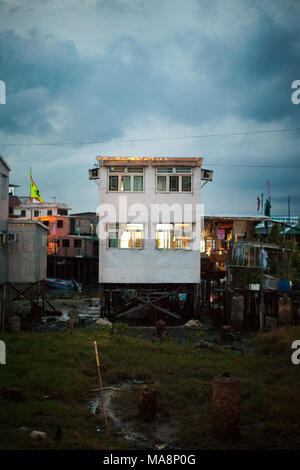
(12, 237)
(206, 175)
(94, 173)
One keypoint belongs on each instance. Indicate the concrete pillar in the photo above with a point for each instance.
(285, 310)
(237, 309)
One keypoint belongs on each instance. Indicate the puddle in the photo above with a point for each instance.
(156, 436)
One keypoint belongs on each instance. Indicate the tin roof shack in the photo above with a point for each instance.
(147, 218)
(246, 260)
(219, 231)
(259, 276)
(4, 178)
(27, 251)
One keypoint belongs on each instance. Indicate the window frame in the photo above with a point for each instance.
(168, 173)
(120, 228)
(125, 172)
(172, 232)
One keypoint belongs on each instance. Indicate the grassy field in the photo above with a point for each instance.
(62, 367)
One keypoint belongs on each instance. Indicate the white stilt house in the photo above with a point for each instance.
(149, 225)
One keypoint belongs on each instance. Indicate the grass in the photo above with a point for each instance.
(62, 366)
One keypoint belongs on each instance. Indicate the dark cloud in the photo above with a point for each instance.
(228, 65)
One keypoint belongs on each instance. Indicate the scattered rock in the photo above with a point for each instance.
(205, 345)
(103, 322)
(193, 324)
(24, 429)
(160, 446)
(38, 435)
(13, 393)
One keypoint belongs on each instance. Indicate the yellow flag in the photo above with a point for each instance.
(34, 191)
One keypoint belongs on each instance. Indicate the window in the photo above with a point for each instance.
(161, 184)
(186, 183)
(65, 243)
(72, 226)
(36, 213)
(46, 222)
(173, 236)
(177, 179)
(23, 213)
(174, 183)
(60, 224)
(113, 183)
(49, 212)
(126, 236)
(77, 243)
(62, 211)
(128, 179)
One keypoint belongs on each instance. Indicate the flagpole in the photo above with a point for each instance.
(30, 192)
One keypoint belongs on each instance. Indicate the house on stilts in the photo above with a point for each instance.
(150, 224)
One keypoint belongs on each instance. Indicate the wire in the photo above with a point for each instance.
(252, 166)
(153, 139)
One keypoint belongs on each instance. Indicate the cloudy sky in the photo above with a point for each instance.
(137, 75)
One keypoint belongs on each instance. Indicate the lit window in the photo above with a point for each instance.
(125, 183)
(173, 236)
(126, 236)
(129, 179)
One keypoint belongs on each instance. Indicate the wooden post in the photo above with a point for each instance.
(147, 404)
(226, 407)
(101, 389)
(43, 294)
(3, 306)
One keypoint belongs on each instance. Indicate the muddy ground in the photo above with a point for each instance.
(160, 434)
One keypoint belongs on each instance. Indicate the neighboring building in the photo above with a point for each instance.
(23, 251)
(286, 221)
(148, 251)
(219, 231)
(4, 178)
(30, 209)
(58, 228)
(27, 251)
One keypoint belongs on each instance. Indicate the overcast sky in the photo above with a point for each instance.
(123, 70)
